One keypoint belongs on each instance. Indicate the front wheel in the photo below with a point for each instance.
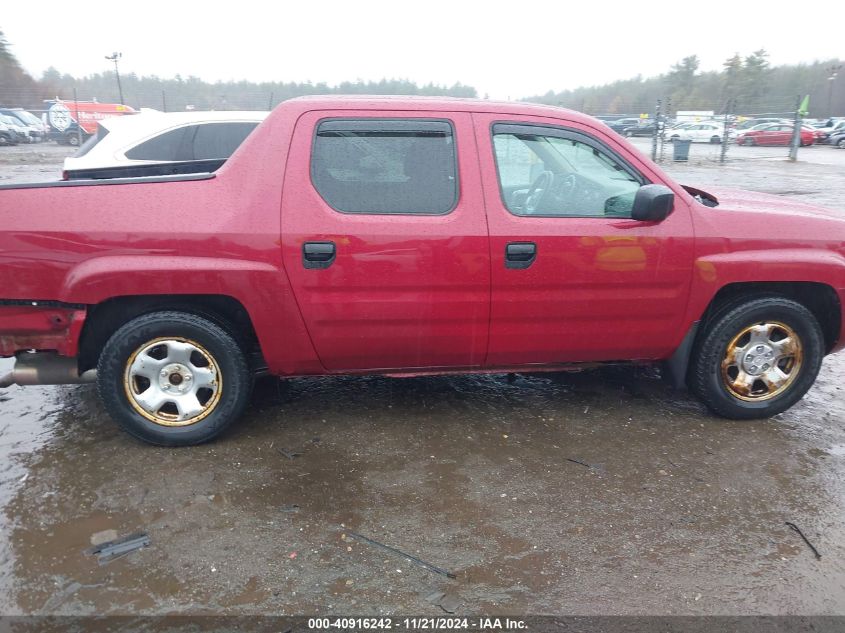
(757, 359)
(173, 378)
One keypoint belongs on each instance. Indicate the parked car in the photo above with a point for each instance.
(836, 129)
(751, 123)
(776, 134)
(157, 143)
(8, 134)
(640, 130)
(837, 139)
(21, 130)
(37, 129)
(405, 236)
(734, 133)
(620, 125)
(701, 132)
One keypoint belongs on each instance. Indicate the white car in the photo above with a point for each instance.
(158, 143)
(702, 131)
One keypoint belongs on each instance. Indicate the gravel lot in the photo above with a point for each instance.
(589, 493)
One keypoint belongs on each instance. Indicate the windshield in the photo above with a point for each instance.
(27, 116)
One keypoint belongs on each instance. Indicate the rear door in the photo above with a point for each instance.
(385, 239)
(574, 277)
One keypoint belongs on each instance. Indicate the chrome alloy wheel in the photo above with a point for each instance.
(762, 361)
(173, 381)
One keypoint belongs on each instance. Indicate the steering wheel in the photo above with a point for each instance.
(539, 191)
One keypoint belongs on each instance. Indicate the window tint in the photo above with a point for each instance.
(386, 166)
(220, 140)
(168, 146)
(560, 175)
(203, 141)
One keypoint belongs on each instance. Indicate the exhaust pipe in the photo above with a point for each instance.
(46, 368)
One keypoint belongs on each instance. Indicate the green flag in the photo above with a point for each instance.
(804, 108)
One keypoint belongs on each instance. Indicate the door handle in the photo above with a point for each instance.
(318, 254)
(520, 255)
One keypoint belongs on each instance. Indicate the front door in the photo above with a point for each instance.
(385, 239)
(574, 277)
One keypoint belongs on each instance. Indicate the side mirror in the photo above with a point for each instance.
(653, 203)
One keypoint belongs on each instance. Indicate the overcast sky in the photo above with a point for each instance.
(507, 49)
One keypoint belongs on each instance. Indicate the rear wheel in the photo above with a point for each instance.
(758, 358)
(841, 143)
(716, 140)
(173, 378)
(72, 140)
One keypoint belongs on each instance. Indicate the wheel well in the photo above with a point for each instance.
(820, 299)
(105, 318)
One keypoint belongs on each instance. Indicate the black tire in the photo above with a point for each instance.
(705, 376)
(5, 140)
(716, 140)
(841, 143)
(72, 140)
(749, 141)
(123, 347)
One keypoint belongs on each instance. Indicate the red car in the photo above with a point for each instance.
(403, 236)
(775, 134)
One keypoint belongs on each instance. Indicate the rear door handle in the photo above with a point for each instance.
(318, 254)
(520, 255)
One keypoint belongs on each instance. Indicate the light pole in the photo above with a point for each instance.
(114, 57)
(834, 71)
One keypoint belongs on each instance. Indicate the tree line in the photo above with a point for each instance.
(745, 84)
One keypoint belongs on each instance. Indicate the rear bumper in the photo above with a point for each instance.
(40, 326)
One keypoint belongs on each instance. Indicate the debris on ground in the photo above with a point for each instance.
(98, 538)
(393, 550)
(289, 454)
(435, 597)
(290, 508)
(110, 550)
(449, 602)
(578, 461)
(806, 540)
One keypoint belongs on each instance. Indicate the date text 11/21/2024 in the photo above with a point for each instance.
(477, 623)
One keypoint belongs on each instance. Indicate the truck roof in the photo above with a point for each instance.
(431, 103)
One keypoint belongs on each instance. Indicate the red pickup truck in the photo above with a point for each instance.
(406, 237)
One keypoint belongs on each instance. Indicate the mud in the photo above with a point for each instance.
(597, 492)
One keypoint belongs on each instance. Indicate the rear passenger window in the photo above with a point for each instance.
(203, 141)
(405, 166)
(167, 146)
(220, 140)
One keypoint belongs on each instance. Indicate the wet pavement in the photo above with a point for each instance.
(595, 492)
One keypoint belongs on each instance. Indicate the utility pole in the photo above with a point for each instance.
(834, 72)
(656, 133)
(114, 57)
(729, 108)
(796, 132)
